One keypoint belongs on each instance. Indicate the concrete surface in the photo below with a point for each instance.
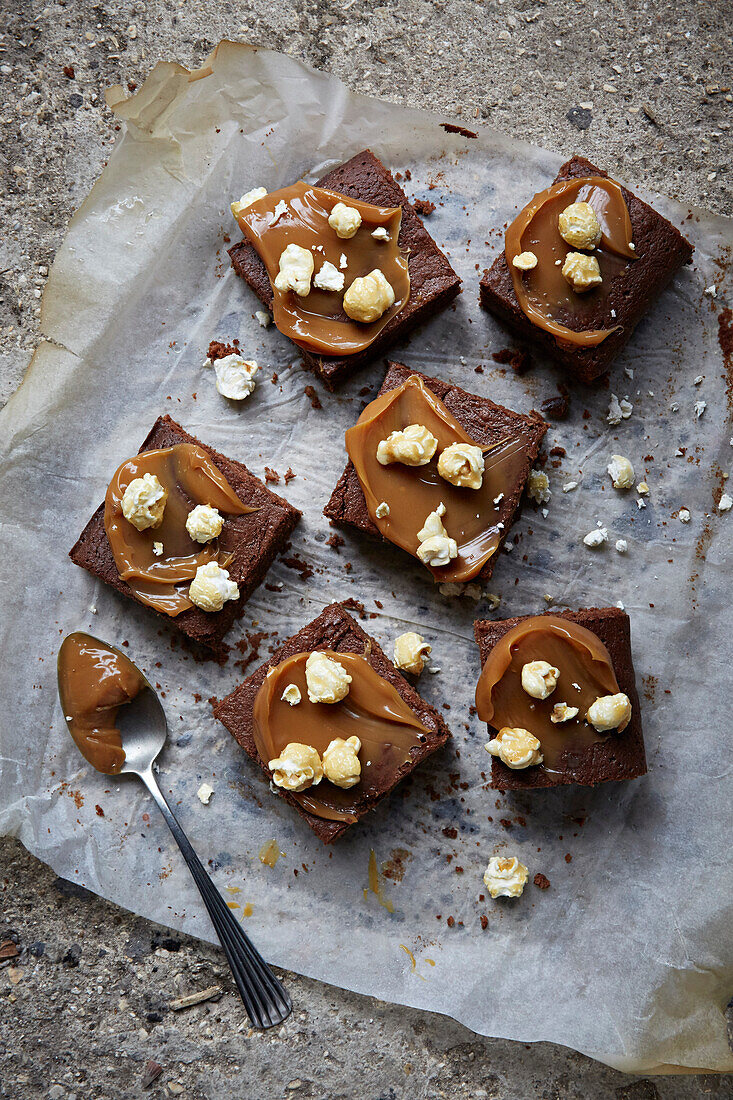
(641, 87)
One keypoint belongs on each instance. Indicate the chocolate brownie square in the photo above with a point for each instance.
(253, 539)
(484, 421)
(661, 250)
(333, 629)
(620, 756)
(433, 282)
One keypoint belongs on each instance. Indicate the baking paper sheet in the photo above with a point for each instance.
(627, 957)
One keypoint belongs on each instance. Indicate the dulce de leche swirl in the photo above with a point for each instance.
(299, 215)
(94, 682)
(586, 672)
(373, 711)
(191, 478)
(543, 293)
(412, 492)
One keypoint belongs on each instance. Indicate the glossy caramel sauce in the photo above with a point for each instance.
(412, 492)
(373, 711)
(586, 672)
(544, 293)
(318, 322)
(191, 478)
(94, 682)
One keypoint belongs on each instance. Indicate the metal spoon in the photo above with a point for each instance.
(143, 726)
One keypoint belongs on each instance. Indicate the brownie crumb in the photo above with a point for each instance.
(519, 361)
(451, 832)
(299, 565)
(478, 370)
(555, 407)
(365, 391)
(334, 541)
(250, 647)
(353, 604)
(218, 350)
(310, 393)
(451, 921)
(100, 811)
(424, 207)
(272, 475)
(289, 475)
(541, 881)
(275, 377)
(452, 128)
(484, 922)
(68, 72)
(560, 452)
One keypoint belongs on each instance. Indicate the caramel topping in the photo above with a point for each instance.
(586, 672)
(94, 682)
(299, 215)
(191, 478)
(373, 711)
(543, 292)
(412, 492)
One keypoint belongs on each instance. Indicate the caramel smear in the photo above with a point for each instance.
(412, 492)
(543, 292)
(376, 886)
(373, 710)
(270, 853)
(191, 478)
(582, 659)
(94, 682)
(299, 215)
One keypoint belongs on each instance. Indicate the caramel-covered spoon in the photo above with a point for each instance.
(118, 723)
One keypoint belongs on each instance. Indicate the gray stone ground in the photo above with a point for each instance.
(641, 87)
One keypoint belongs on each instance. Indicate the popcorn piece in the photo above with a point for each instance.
(725, 503)
(515, 747)
(684, 515)
(462, 464)
(505, 877)
(700, 378)
(345, 220)
(581, 271)
(413, 446)
(382, 510)
(622, 546)
(525, 261)
(211, 587)
(143, 502)
(341, 762)
(410, 651)
(297, 767)
(642, 488)
(436, 548)
(158, 549)
(539, 679)
(618, 410)
(327, 680)
(247, 200)
(597, 537)
(569, 486)
(329, 278)
(296, 269)
(579, 226)
(621, 471)
(204, 523)
(235, 377)
(561, 712)
(538, 487)
(381, 234)
(368, 297)
(343, 262)
(204, 793)
(263, 317)
(610, 712)
(700, 407)
(291, 695)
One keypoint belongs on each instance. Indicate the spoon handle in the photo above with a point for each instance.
(265, 999)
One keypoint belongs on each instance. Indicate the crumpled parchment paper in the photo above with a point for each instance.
(627, 957)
